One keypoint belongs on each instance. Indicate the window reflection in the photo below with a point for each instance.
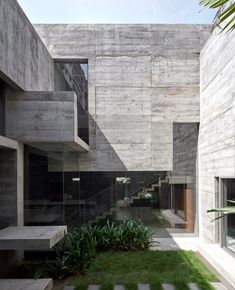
(73, 76)
(229, 220)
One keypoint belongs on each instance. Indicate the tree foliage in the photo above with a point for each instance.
(226, 12)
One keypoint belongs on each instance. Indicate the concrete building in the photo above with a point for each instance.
(119, 122)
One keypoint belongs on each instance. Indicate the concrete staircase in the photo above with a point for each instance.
(165, 286)
(128, 201)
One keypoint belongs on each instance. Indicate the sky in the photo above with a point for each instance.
(116, 11)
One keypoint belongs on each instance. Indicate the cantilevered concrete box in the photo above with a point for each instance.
(47, 120)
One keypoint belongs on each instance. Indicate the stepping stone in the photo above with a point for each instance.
(168, 287)
(218, 286)
(26, 284)
(143, 287)
(193, 286)
(69, 288)
(93, 287)
(119, 287)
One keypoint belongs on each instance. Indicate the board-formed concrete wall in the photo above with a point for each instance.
(25, 62)
(217, 127)
(142, 78)
(41, 116)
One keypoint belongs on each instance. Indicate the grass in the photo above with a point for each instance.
(153, 267)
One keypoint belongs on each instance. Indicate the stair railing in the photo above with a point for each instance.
(107, 198)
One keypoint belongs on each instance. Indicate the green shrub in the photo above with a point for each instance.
(127, 236)
(76, 252)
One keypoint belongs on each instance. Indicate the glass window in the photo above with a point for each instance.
(228, 229)
(2, 107)
(51, 188)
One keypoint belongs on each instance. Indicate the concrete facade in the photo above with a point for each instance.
(217, 124)
(149, 88)
(25, 65)
(142, 79)
(24, 61)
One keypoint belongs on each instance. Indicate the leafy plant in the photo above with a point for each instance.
(224, 210)
(78, 249)
(128, 236)
(227, 15)
(76, 252)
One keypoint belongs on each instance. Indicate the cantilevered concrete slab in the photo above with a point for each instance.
(26, 284)
(31, 237)
(47, 120)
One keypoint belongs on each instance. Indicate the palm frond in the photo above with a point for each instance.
(227, 16)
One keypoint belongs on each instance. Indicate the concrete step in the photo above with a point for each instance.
(193, 286)
(119, 287)
(218, 286)
(31, 237)
(143, 287)
(173, 219)
(69, 288)
(166, 286)
(219, 259)
(26, 284)
(135, 197)
(215, 285)
(93, 287)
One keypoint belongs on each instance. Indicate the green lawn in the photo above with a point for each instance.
(153, 267)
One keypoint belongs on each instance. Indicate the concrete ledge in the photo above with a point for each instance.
(30, 238)
(221, 260)
(173, 219)
(26, 284)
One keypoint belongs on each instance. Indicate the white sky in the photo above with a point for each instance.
(116, 11)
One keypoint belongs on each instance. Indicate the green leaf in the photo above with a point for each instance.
(228, 15)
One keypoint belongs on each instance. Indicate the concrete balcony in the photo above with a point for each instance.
(47, 120)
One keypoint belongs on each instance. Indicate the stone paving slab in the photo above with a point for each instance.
(26, 284)
(168, 286)
(219, 286)
(144, 287)
(165, 286)
(93, 287)
(193, 286)
(119, 287)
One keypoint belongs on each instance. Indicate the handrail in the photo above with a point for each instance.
(114, 185)
(100, 192)
(110, 204)
(146, 184)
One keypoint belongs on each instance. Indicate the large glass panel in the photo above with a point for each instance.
(52, 188)
(2, 107)
(8, 187)
(73, 205)
(164, 200)
(43, 187)
(229, 220)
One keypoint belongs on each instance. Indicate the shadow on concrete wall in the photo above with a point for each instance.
(101, 155)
